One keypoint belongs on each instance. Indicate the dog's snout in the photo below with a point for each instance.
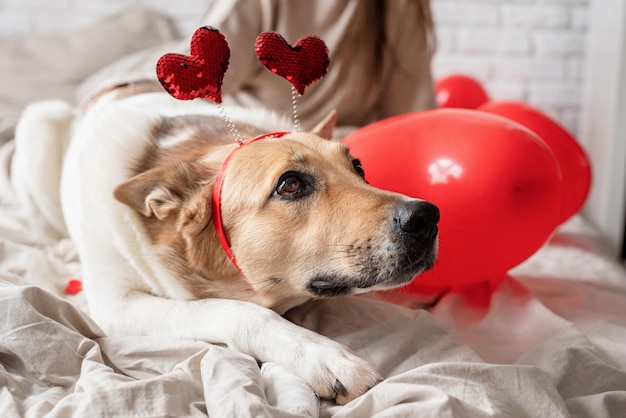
(416, 217)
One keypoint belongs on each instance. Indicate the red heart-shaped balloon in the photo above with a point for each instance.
(498, 187)
(460, 91)
(570, 155)
(302, 64)
(187, 77)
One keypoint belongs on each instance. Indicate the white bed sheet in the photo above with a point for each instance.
(551, 343)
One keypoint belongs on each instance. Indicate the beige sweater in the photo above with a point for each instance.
(345, 88)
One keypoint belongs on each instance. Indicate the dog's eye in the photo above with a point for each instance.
(290, 185)
(358, 168)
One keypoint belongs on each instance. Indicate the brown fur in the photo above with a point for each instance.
(341, 231)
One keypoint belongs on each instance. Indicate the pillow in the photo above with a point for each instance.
(48, 66)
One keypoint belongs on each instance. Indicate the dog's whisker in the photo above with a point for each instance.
(348, 246)
(266, 286)
(338, 249)
(267, 282)
(341, 257)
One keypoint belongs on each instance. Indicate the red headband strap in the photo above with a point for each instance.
(216, 198)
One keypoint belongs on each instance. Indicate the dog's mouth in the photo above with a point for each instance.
(333, 286)
(330, 286)
(336, 285)
(373, 278)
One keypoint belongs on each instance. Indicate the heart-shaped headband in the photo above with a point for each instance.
(200, 75)
(216, 200)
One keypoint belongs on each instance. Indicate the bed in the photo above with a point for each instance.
(550, 342)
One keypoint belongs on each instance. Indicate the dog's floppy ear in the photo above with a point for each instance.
(159, 192)
(325, 128)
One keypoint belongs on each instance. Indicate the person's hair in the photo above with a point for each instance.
(370, 29)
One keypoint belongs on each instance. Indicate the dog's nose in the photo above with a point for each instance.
(417, 217)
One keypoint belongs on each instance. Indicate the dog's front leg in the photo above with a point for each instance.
(332, 370)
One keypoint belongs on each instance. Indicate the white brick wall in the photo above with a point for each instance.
(529, 50)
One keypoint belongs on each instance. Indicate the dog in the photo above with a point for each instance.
(300, 217)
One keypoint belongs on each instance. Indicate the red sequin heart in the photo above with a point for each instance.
(302, 64)
(200, 74)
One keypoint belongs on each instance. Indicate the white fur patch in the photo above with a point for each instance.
(178, 138)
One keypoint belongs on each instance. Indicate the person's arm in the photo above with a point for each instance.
(407, 93)
(408, 80)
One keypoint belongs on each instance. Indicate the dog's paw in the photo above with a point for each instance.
(335, 372)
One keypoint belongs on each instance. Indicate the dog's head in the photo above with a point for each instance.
(300, 216)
